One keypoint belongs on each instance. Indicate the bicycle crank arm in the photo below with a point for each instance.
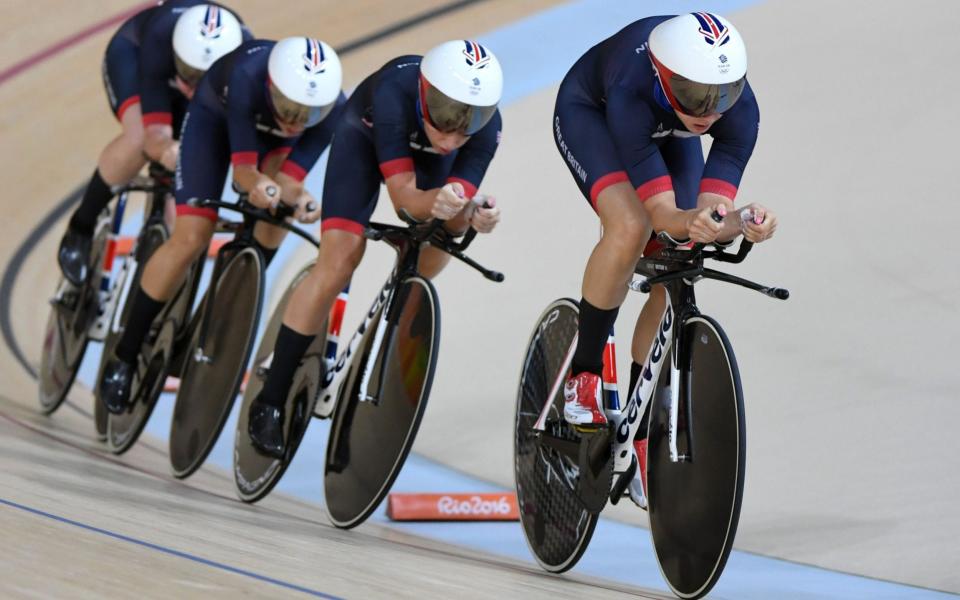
(564, 447)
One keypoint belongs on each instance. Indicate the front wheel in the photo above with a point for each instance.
(255, 473)
(694, 506)
(152, 237)
(381, 403)
(72, 311)
(555, 522)
(212, 374)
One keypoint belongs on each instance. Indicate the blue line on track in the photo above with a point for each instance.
(172, 552)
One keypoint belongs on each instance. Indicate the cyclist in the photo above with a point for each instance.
(627, 123)
(428, 128)
(148, 93)
(268, 108)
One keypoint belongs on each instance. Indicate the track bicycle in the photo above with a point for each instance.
(375, 391)
(696, 434)
(90, 312)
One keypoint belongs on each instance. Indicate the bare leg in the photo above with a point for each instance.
(123, 158)
(167, 268)
(340, 254)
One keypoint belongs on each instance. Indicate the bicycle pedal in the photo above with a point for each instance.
(622, 481)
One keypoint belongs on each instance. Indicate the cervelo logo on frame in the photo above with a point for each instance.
(476, 55)
(712, 29)
(475, 506)
(212, 25)
(313, 59)
(646, 379)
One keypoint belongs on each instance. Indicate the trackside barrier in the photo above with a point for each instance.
(453, 507)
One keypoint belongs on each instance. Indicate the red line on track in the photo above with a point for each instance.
(35, 59)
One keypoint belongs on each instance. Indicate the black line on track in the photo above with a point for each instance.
(404, 25)
(166, 550)
(13, 270)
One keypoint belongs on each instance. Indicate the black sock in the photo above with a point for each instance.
(290, 348)
(142, 312)
(268, 253)
(594, 329)
(635, 371)
(95, 198)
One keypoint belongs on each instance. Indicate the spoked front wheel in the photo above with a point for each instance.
(212, 374)
(557, 526)
(382, 401)
(694, 506)
(152, 237)
(72, 311)
(255, 473)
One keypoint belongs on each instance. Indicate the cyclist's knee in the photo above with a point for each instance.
(629, 233)
(340, 255)
(189, 241)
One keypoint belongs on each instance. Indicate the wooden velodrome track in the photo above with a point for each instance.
(851, 386)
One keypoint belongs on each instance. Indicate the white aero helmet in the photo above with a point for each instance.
(460, 86)
(305, 78)
(203, 34)
(701, 62)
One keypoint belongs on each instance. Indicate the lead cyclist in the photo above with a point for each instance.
(627, 122)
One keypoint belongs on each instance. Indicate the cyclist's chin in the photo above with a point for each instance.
(290, 129)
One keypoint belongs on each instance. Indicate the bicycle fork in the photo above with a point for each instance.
(335, 372)
(108, 295)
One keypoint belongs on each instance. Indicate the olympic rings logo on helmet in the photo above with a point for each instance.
(701, 62)
(203, 34)
(461, 84)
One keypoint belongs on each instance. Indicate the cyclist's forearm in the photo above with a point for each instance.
(246, 177)
(665, 216)
(404, 194)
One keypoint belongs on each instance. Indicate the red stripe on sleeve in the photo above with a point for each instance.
(243, 158)
(468, 188)
(653, 187)
(395, 166)
(342, 225)
(718, 186)
(605, 182)
(157, 118)
(293, 170)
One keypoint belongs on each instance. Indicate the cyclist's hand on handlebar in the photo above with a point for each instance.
(308, 209)
(702, 227)
(450, 200)
(486, 216)
(757, 223)
(169, 157)
(265, 193)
